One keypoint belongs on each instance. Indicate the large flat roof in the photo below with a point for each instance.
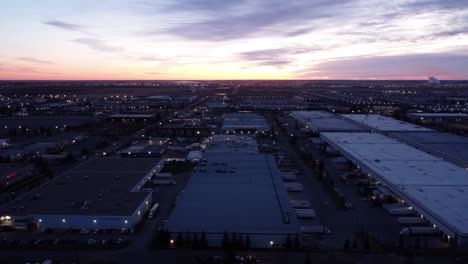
(322, 121)
(384, 123)
(131, 116)
(231, 144)
(244, 121)
(99, 186)
(438, 187)
(440, 115)
(448, 146)
(36, 121)
(235, 192)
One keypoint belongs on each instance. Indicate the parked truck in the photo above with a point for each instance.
(411, 220)
(293, 187)
(401, 211)
(314, 230)
(418, 231)
(300, 203)
(153, 210)
(305, 213)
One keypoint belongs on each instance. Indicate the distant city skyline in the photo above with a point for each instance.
(216, 40)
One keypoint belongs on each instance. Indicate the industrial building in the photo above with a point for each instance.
(450, 147)
(144, 151)
(434, 188)
(321, 121)
(20, 124)
(437, 117)
(238, 194)
(130, 117)
(384, 124)
(97, 194)
(244, 123)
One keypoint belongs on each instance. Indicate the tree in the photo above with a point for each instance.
(180, 240)
(203, 241)
(241, 242)
(247, 242)
(195, 244)
(225, 242)
(288, 242)
(297, 242)
(188, 239)
(234, 241)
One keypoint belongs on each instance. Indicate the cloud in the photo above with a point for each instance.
(98, 45)
(274, 63)
(229, 21)
(63, 25)
(152, 73)
(449, 65)
(267, 54)
(34, 60)
(275, 57)
(25, 70)
(148, 58)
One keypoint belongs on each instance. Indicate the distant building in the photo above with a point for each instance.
(97, 194)
(433, 81)
(235, 192)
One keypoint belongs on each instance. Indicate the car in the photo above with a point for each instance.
(344, 179)
(96, 231)
(215, 259)
(251, 259)
(238, 260)
(124, 231)
(348, 205)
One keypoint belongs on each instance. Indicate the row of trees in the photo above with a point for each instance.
(231, 241)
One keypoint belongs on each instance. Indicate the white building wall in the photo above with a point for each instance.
(91, 221)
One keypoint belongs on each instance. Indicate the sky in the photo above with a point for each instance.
(227, 39)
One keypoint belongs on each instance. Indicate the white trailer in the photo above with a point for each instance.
(288, 177)
(153, 210)
(314, 230)
(164, 182)
(166, 175)
(401, 211)
(305, 213)
(411, 220)
(418, 231)
(300, 203)
(293, 187)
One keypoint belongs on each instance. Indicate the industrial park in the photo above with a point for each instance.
(234, 132)
(229, 174)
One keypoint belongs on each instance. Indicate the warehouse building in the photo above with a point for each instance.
(321, 121)
(437, 117)
(97, 194)
(244, 123)
(436, 189)
(238, 194)
(384, 124)
(54, 123)
(450, 147)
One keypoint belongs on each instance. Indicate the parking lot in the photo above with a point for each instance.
(351, 217)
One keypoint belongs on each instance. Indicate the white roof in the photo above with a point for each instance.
(439, 114)
(324, 121)
(384, 123)
(437, 186)
(246, 121)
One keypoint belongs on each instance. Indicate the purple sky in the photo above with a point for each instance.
(214, 39)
